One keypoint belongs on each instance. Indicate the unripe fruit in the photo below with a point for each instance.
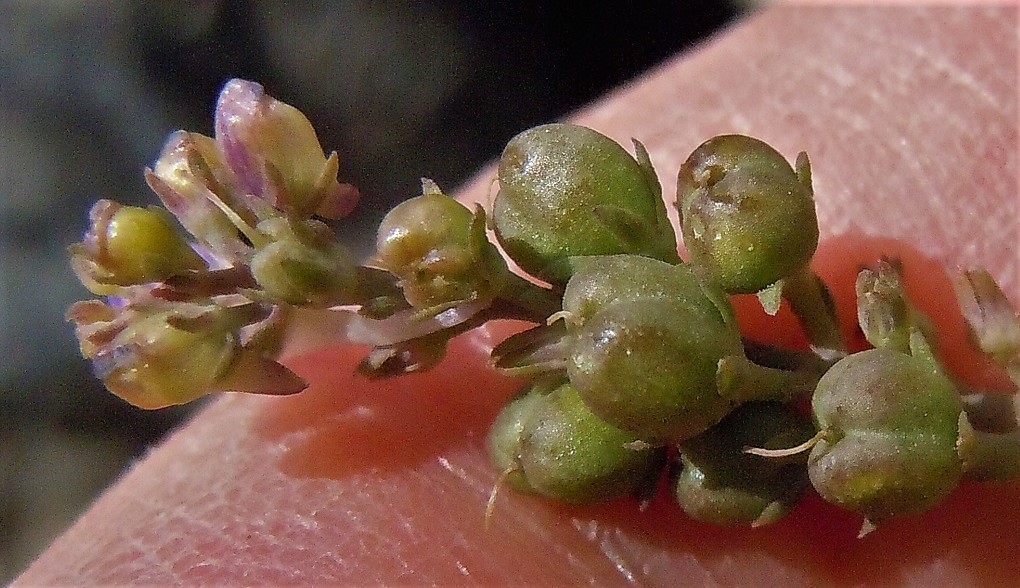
(598, 281)
(649, 366)
(890, 425)
(720, 483)
(566, 190)
(745, 214)
(431, 243)
(566, 452)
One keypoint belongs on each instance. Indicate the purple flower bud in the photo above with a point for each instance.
(275, 155)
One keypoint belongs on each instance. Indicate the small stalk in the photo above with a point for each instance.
(537, 302)
(782, 358)
(988, 455)
(989, 443)
(742, 380)
(809, 299)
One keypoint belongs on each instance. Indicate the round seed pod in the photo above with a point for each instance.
(508, 431)
(570, 454)
(566, 190)
(746, 215)
(434, 245)
(649, 366)
(719, 483)
(562, 451)
(890, 424)
(598, 281)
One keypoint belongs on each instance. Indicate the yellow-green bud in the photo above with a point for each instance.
(129, 245)
(153, 364)
(303, 265)
(437, 248)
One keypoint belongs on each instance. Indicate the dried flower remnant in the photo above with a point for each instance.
(994, 323)
(159, 355)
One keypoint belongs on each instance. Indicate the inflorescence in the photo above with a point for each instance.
(636, 365)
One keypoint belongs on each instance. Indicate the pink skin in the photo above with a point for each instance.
(910, 118)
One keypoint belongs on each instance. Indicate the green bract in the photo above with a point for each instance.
(890, 425)
(566, 190)
(746, 215)
(720, 484)
(566, 452)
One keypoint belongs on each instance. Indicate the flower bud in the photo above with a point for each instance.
(159, 357)
(438, 250)
(745, 214)
(128, 245)
(567, 190)
(303, 264)
(275, 155)
(993, 322)
(192, 182)
(890, 426)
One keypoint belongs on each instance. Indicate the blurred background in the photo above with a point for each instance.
(89, 90)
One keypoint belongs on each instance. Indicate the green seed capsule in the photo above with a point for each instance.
(649, 366)
(890, 425)
(598, 281)
(506, 435)
(746, 215)
(720, 484)
(567, 190)
(438, 250)
(567, 453)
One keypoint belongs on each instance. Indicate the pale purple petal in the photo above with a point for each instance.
(239, 103)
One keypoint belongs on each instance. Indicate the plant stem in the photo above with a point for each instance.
(811, 303)
(742, 380)
(537, 302)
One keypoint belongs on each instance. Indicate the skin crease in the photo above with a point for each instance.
(910, 118)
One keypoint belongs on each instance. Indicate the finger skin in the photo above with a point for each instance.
(910, 118)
